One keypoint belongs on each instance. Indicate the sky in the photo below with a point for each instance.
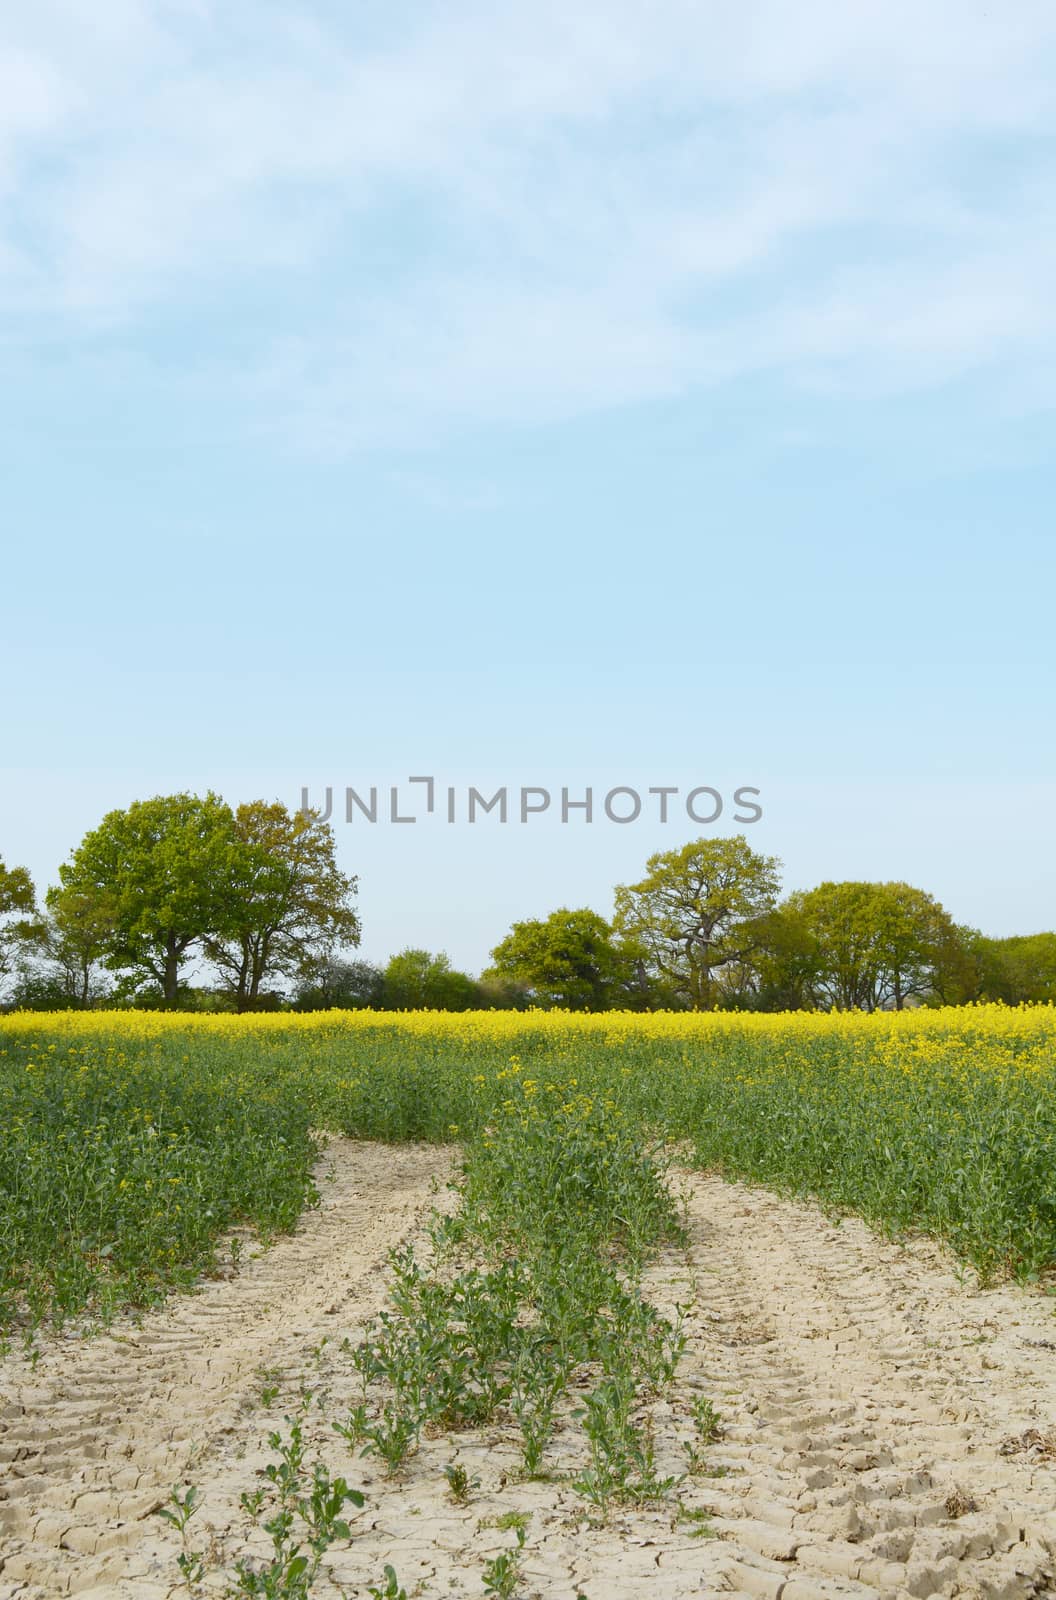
(536, 396)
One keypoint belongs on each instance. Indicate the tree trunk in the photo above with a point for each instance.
(247, 978)
(171, 985)
(258, 966)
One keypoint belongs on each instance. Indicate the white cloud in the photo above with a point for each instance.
(526, 212)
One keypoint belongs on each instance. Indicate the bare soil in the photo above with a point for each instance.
(888, 1425)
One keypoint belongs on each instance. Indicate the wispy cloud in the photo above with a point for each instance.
(524, 213)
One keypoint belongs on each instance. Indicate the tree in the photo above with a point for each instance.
(872, 945)
(1018, 970)
(333, 984)
(17, 907)
(962, 970)
(569, 958)
(914, 937)
(501, 994)
(414, 980)
(783, 970)
(697, 912)
(70, 944)
(159, 879)
(290, 905)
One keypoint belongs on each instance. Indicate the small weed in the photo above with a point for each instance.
(178, 1510)
(707, 1426)
(394, 1438)
(515, 1520)
(459, 1483)
(355, 1427)
(192, 1567)
(706, 1420)
(269, 1394)
(701, 1522)
(502, 1574)
(622, 1465)
(296, 1509)
(392, 1589)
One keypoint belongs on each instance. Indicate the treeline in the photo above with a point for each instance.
(254, 894)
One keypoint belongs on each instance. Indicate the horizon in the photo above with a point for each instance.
(551, 856)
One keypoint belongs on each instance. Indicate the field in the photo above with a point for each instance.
(600, 1358)
(133, 1141)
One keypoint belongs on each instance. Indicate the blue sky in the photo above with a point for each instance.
(608, 393)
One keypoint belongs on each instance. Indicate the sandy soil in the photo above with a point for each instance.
(887, 1424)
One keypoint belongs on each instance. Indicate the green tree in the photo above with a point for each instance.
(962, 968)
(872, 945)
(783, 970)
(18, 903)
(1018, 970)
(70, 946)
(335, 984)
(290, 906)
(414, 980)
(160, 878)
(697, 914)
(569, 958)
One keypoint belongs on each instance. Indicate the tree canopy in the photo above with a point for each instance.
(570, 959)
(18, 902)
(335, 983)
(868, 945)
(699, 911)
(416, 980)
(1018, 969)
(72, 940)
(158, 877)
(290, 906)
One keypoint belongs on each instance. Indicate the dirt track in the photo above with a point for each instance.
(869, 1396)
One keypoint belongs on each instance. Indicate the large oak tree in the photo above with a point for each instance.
(158, 878)
(698, 912)
(872, 945)
(569, 959)
(290, 904)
